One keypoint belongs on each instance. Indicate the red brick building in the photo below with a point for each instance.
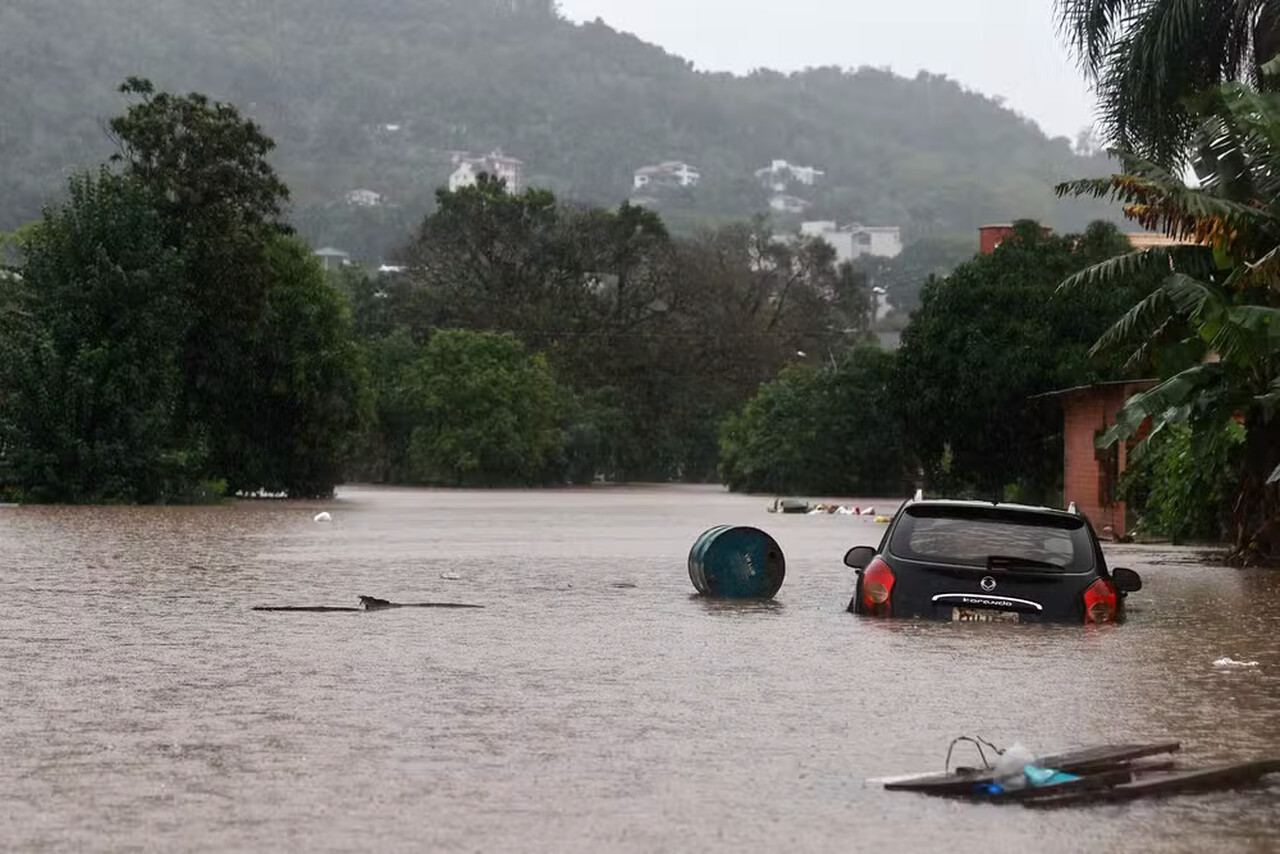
(1091, 476)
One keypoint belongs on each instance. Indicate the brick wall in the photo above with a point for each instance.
(1085, 412)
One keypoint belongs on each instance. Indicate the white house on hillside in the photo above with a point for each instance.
(333, 259)
(780, 174)
(673, 173)
(783, 203)
(467, 170)
(363, 198)
(854, 241)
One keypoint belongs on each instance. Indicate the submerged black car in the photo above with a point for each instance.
(970, 561)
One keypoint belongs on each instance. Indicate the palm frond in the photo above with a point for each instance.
(1190, 295)
(1089, 27)
(1173, 400)
(1150, 313)
(1117, 270)
(1176, 210)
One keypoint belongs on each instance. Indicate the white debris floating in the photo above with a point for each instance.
(323, 517)
(1231, 662)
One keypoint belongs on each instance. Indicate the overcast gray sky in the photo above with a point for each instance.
(1008, 48)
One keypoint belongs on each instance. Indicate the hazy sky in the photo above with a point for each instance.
(1008, 48)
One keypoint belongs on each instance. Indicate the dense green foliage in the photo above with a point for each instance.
(985, 341)
(655, 339)
(1211, 330)
(828, 431)
(304, 390)
(163, 338)
(376, 95)
(1181, 483)
(488, 412)
(90, 376)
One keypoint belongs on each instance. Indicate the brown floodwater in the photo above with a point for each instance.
(594, 705)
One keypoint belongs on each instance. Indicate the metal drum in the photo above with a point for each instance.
(737, 563)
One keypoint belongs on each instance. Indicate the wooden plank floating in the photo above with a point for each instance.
(308, 609)
(1230, 776)
(367, 603)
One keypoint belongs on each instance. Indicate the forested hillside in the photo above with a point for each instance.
(376, 94)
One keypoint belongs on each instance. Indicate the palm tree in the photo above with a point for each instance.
(1147, 58)
(1212, 328)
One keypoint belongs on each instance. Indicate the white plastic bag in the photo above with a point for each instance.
(1008, 771)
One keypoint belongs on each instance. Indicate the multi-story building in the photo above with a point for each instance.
(854, 241)
(467, 170)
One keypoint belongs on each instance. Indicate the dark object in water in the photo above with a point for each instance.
(308, 609)
(367, 603)
(372, 603)
(1089, 760)
(737, 563)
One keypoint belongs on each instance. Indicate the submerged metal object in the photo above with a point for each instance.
(737, 563)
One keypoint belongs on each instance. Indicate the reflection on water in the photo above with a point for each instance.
(593, 705)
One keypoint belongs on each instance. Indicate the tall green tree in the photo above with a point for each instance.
(305, 394)
(488, 412)
(220, 200)
(1149, 60)
(986, 340)
(90, 378)
(824, 431)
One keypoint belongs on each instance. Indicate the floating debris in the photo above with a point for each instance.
(323, 517)
(1231, 662)
(367, 603)
(1111, 773)
(450, 576)
(730, 562)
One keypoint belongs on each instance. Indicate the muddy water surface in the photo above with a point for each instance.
(594, 705)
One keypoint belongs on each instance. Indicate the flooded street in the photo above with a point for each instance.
(594, 705)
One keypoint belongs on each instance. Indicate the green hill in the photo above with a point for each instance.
(376, 94)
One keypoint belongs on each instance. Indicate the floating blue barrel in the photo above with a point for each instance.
(737, 563)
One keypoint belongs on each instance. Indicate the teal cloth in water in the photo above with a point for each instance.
(1046, 776)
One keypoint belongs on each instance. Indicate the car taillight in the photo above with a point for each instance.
(1101, 602)
(877, 588)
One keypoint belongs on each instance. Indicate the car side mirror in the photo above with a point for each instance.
(859, 557)
(1127, 581)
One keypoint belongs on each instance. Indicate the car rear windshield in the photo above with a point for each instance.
(984, 536)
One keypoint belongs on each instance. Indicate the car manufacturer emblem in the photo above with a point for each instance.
(988, 584)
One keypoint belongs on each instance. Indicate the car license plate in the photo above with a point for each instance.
(982, 615)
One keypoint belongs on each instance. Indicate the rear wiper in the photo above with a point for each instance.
(1010, 562)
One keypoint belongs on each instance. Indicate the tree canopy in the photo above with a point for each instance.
(986, 340)
(1151, 59)
(163, 337)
